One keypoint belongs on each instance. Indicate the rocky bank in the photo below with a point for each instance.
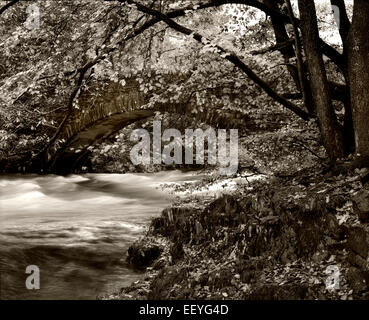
(300, 237)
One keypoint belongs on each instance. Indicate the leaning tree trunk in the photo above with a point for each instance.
(358, 57)
(330, 130)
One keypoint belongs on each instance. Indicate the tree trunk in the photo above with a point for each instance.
(281, 36)
(304, 83)
(329, 127)
(288, 52)
(343, 24)
(344, 29)
(358, 57)
(348, 127)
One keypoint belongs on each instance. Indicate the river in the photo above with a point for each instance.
(76, 229)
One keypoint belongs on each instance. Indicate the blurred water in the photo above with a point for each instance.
(76, 229)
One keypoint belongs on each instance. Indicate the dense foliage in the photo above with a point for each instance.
(226, 55)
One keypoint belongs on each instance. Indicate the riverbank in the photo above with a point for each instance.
(304, 236)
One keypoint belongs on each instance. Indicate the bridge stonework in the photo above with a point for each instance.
(97, 104)
(102, 112)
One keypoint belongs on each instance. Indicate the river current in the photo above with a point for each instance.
(75, 229)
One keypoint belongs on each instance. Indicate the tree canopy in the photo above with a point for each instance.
(248, 56)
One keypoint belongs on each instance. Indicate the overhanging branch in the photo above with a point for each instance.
(231, 57)
(326, 49)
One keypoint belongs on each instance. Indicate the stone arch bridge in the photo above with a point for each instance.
(101, 113)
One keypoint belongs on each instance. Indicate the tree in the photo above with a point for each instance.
(352, 63)
(331, 134)
(220, 50)
(358, 74)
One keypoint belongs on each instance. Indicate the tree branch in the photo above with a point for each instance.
(327, 50)
(231, 57)
(43, 155)
(8, 5)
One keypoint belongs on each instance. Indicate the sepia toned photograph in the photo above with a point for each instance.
(198, 151)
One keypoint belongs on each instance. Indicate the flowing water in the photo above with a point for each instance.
(76, 229)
